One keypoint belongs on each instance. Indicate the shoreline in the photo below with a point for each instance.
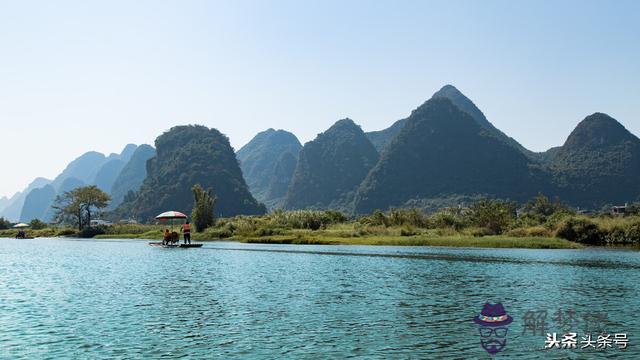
(503, 242)
(480, 243)
(336, 236)
(487, 242)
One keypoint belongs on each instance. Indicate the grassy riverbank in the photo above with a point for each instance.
(345, 234)
(332, 236)
(47, 232)
(423, 240)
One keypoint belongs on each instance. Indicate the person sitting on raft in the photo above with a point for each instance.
(167, 237)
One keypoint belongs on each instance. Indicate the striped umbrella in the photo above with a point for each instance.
(21, 225)
(171, 215)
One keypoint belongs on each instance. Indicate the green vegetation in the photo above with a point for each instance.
(204, 203)
(541, 223)
(333, 228)
(330, 168)
(185, 156)
(494, 216)
(487, 223)
(601, 230)
(425, 240)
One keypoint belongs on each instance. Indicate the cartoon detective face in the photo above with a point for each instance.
(493, 321)
(493, 340)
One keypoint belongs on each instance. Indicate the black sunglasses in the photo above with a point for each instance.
(486, 331)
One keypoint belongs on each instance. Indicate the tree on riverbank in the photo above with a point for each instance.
(204, 203)
(493, 215)
(4, 223)
(78, 205)
(37, 224)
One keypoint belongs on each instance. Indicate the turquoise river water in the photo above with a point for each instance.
(62, 298)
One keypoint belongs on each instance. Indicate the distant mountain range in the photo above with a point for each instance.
(446, 152)
(13, 206)
(91, 168)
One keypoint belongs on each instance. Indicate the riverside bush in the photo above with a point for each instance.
(479, 232)
(532, 231)
(580, 230)
(442, 220)
(406, 217)
(633, 232)
(620, 230)
(494, 215)
(244, 226)
(218, 233)
(409, 231)
(306, 219)
(542, 211)
(411, 217)
(90, 232)
(66, 232)
(377, 218)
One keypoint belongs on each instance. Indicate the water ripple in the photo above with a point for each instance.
(124, 299)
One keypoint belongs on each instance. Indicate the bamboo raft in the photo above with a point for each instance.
(171, 246)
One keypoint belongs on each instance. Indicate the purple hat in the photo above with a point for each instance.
(493, 315)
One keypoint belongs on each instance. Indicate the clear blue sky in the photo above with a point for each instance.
(89, 75)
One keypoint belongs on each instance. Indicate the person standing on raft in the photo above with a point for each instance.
(186, 231)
